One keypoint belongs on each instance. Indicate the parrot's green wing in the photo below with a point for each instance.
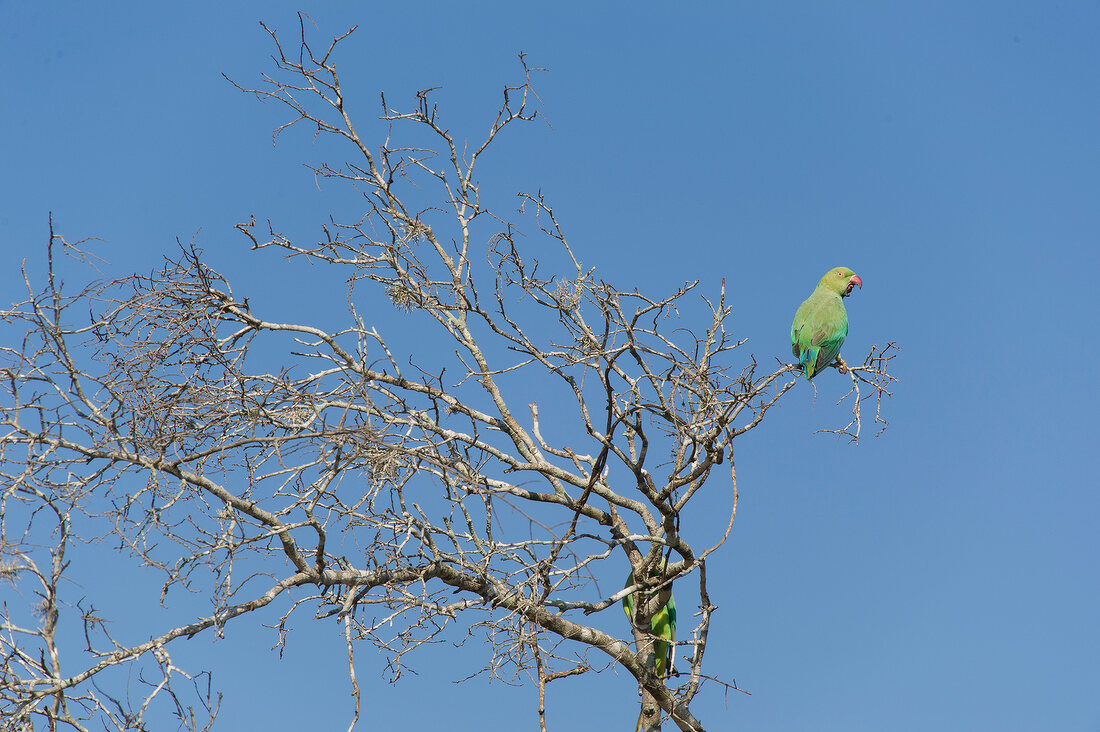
(818, 331)
(663, 625)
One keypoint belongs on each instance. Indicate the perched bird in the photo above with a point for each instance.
(663, 625)
(821, 322)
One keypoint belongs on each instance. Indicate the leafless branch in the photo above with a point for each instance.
(415, 496)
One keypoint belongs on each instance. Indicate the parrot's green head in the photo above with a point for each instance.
(840, 280)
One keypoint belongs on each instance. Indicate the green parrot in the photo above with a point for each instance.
(663, 625)
(821, 323)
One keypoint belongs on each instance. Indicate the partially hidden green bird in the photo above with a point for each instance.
(663, 626)
(821, 322)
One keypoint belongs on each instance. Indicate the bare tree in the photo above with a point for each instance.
(398, 493)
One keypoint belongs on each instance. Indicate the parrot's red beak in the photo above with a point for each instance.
(852, 282)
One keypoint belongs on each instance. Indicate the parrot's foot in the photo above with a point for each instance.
(841, 365)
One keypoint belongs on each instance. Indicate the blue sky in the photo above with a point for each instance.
(942, 576)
